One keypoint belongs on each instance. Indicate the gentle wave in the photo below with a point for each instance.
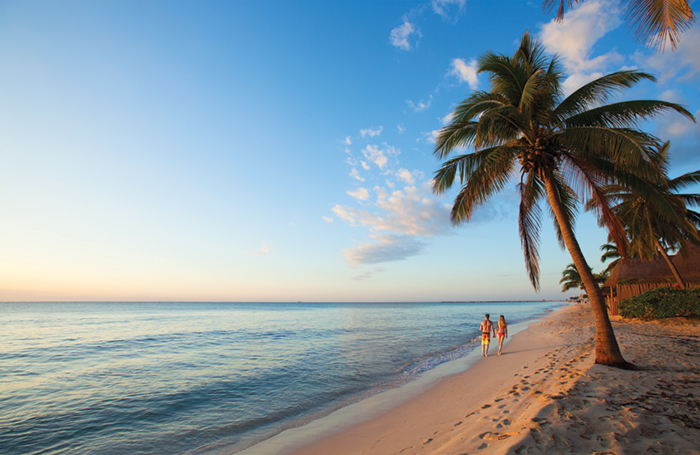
(155, 378)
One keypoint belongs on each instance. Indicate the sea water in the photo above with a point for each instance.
(189, 378)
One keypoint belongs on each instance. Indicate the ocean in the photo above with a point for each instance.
(192, 378)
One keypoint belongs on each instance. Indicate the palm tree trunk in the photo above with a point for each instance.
(671, 265)
(607, 351)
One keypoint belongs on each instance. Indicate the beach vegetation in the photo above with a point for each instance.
(565, 150)
(658, 224)
(655, 22)
(666, 302)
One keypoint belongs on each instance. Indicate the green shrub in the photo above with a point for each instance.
(662, 303)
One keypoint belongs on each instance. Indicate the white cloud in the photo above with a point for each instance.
(400, 35)
(327, 219)
(447, 119)
(400, 128)
(430, 137)
(356, 175)
(413, 211)
(371, 132)
(379, 156)
(573, 39)
(440, 6)
(386, 248)
(348, 141)
(683, 63)
(421, 106)
(262, 250)
(408, 176)
(361, 194)
(465, 72)
(364, 165)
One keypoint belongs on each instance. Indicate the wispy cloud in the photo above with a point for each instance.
(327, 219)
(361, 194)
(379, 155)
(262, 250)
(442, 7)
(430, 136)
(683, 63)
(385, 249)
(356, 175)
(465, 72)
(399, 36)
(371, 132)
(367, 275)
(399, 223)
(421, 105)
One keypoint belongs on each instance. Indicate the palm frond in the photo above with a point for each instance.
(598, 91)
(531, 192)
(483, 173)
(624, 114)
(659, 21)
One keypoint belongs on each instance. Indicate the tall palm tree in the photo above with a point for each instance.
(655, 21)
(566, 148)
(655, 225)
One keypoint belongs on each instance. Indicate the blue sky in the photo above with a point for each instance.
(276, 151)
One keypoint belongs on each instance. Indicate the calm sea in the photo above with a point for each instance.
(174, 378)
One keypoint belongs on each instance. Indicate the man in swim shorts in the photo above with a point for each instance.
(486, 329)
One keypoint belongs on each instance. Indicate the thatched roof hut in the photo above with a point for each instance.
(657, 271)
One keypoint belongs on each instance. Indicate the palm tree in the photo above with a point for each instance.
(561, 144)
(610, 253)
(655, 21)
(657, 224)
(571, 279)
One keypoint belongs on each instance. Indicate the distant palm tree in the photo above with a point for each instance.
(610, 253)
(655, 21)
(561, 144)
(571, 279)
(655, 225)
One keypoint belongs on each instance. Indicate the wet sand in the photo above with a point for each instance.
(545, 395)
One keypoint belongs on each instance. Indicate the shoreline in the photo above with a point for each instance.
(376, 407)
(543, 395)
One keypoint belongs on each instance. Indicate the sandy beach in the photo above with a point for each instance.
(545, 395)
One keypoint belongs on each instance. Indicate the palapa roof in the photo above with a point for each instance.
(657, 271)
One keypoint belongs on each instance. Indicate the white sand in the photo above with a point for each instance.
(545, 395)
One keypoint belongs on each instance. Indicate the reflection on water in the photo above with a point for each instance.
(114, 378)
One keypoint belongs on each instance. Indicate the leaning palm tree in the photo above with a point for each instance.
(655, 21)
(566, 149)
(655, 225)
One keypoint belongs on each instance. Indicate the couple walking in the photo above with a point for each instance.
(487, 328)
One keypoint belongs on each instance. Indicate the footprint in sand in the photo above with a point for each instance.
(458, 424)
(496, 436)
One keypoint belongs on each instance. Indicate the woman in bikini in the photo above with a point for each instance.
(502, 332)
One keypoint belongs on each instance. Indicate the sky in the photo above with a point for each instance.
(279, 150)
